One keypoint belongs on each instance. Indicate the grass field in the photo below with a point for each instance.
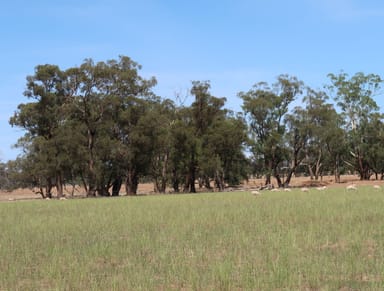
(321, 240)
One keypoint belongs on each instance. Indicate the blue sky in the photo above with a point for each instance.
(232, 43)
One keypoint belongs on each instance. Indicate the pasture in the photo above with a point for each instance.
(317, 240)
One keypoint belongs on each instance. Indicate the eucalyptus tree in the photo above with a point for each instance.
(89, 100)
(315, 138)
(265, 107)
(108, 99)
(320, 124)
(206, 111)
(44, 121)
(296, 138)
(183, 144)
(355, 97)
(373, 139)
(206, 142)
(335, 142)
(5, 182)
(12, 175)
(134, 103)
(146, 153)
(159, 123)
(222, 156)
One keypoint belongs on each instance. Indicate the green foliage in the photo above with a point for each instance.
(219, 139)
(100, 124)
(266, 108)
(318, 129)
(5, 180)
(315, 136)
(354, 96)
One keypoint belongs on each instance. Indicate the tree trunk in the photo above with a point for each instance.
(207, 183)
(200, 181)
(175, 181)
(337, 170)
(59, 185)
(83, 180)
(187, 183)
(160, 177)
(310, 170)
(268, 179)
(116, 186)
(160, 184)
(294, 164)
(363, 168)
(131, 182)
(192, 182)
(289, 177)
(318, 165)
(278, 180)
(48, 188)
(364, 172)
(268, 165)
(276, 174)
(91, 191)
(311, 174)
(103, 191)
(192, 175)
(219, 180)
(317, 170)
(92, 188)
(337, 177)
(163, 178)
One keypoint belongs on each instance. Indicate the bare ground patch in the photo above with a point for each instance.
(147, 188)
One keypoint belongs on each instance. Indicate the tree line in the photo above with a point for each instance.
(100, 125)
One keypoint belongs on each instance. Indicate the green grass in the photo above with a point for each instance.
(329, 240)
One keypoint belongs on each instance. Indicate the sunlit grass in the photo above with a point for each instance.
(326, 240)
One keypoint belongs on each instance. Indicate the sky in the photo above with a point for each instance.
(234, 44)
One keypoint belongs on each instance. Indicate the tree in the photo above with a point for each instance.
(5, 182)
(85, 123)
(321, 121)
(354, 96)
(135, 102)
(373, 138)
(183, 143)
(296, 138)
(206, 143)
(265, 108)
(108, 99)
(159, 124)
(15, 175)
(335, 143)
(44, 122)
(222, 158)
(205, 111)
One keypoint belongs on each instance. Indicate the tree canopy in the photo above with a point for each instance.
(100, 125)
